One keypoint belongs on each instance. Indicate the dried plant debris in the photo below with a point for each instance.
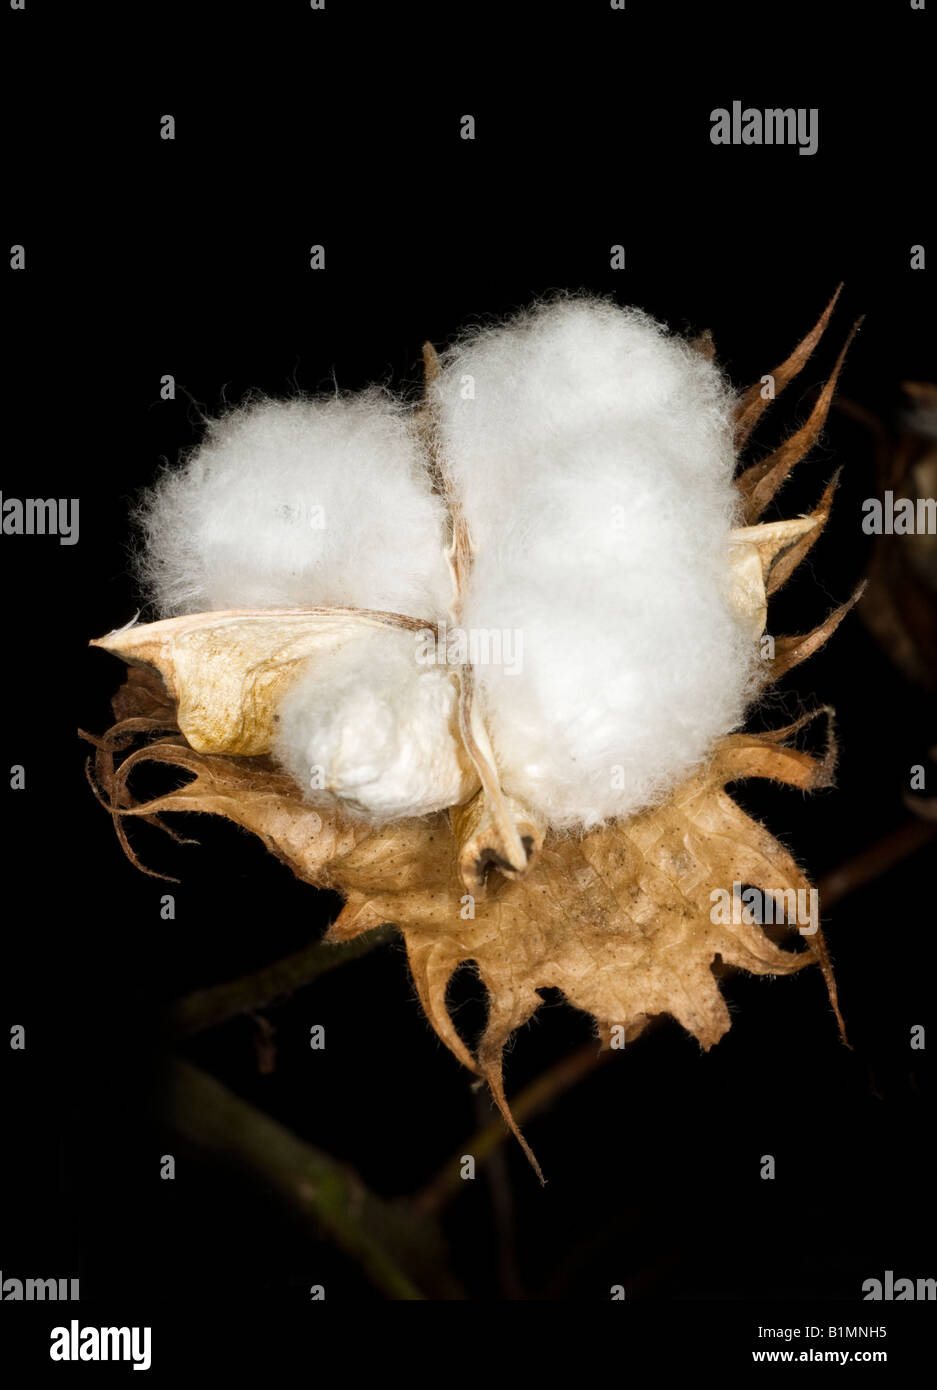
(379, 754)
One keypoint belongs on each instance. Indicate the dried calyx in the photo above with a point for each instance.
(442, 787)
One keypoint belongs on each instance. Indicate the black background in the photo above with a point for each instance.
(191, 257)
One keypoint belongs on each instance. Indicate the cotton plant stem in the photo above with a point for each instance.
(876, 860)
(398, 1252)
(207, 1008)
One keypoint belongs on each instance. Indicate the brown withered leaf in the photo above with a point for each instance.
(619, 920)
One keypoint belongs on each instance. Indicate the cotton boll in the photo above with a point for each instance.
(373, 731)
(305, 503)
(593, 455)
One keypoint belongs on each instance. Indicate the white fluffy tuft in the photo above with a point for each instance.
(593, 455)
(306, 503)
(369, 730)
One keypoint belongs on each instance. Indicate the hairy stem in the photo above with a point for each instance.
(398, 1251)
(207, 1008)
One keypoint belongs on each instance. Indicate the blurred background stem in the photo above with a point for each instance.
(397, 1248)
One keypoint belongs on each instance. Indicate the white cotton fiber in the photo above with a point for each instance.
(593, 455)
(304, 503)
(370, 729)
(591, 451)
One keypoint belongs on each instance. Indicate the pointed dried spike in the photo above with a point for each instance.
(508, 1010)
(759, 483)
(432, 966)
(781, 735)
(824, 768)
(786, 564)
(707, 1020)
(769, 757)
(818, 946)
(791, 651)
(753, 551)
(356, 917)
(490, 1067)
(751, 406)
(431, 366)
(763, 557)
(425, 416)
(772, 538)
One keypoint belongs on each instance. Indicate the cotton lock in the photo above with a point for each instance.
(306, 503)
(593, 458)
(368, 730)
